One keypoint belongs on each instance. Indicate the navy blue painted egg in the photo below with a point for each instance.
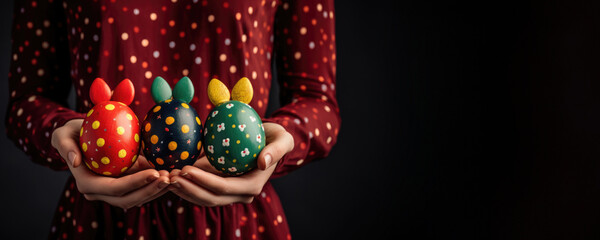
(171, 135)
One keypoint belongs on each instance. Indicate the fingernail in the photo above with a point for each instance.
(71, 158)
(151, 178)
(163, 184)
(176, 184)
(268, 160)
(185, 174)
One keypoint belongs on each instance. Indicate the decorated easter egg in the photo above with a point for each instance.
(110, 134)
(233, 133)
(172, 130)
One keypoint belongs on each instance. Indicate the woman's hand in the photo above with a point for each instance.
(141, 183)
(202, 184)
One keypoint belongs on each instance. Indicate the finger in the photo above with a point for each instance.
(163, 173)
(66, 145)
(133, 198)
(119, 186)
(174, 173)
(205, 165)
(152, 198)
(182, 195)
(249, 184)
(202, 196)
(275, 150)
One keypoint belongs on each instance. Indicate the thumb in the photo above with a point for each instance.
(275, 150)
(69, 151)
(67, 147)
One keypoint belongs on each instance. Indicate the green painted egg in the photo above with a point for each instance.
(233, 137)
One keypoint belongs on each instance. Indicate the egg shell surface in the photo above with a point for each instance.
(233, 137)
(110, 138)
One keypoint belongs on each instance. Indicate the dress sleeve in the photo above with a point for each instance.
(39, 81)
(306, 64)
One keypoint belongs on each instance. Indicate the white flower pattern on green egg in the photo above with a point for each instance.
(226, 142)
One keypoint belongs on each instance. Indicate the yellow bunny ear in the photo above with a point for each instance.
(242, 91)
(217, 92)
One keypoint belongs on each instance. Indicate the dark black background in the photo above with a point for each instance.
(460, 120)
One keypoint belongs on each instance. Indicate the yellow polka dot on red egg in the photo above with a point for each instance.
(107, 173)
(84, 147)
(184, 155)
(147, 127)
(172, 145)
(129, 117)
(81, 132)
(154, 139)
(169, 120)
(134, 158)
(90, 112)
(156, 109)
(105, 160)
(122, 153)
(136, 137)
(185, 128)
(95, 164)
(109, 107)
(120, 130)
(124, 169)
(160, 161)
(100, 142)
(95, 124)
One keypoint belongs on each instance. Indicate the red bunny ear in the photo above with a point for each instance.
(99, 91)
(124, 92)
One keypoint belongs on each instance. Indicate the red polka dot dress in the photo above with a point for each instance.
(57, 44)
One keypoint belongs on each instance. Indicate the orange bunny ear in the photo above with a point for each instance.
(124, 92)
(99, 91)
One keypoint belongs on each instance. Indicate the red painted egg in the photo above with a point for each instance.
(110, 134)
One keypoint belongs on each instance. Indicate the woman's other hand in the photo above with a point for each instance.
(202, 184)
